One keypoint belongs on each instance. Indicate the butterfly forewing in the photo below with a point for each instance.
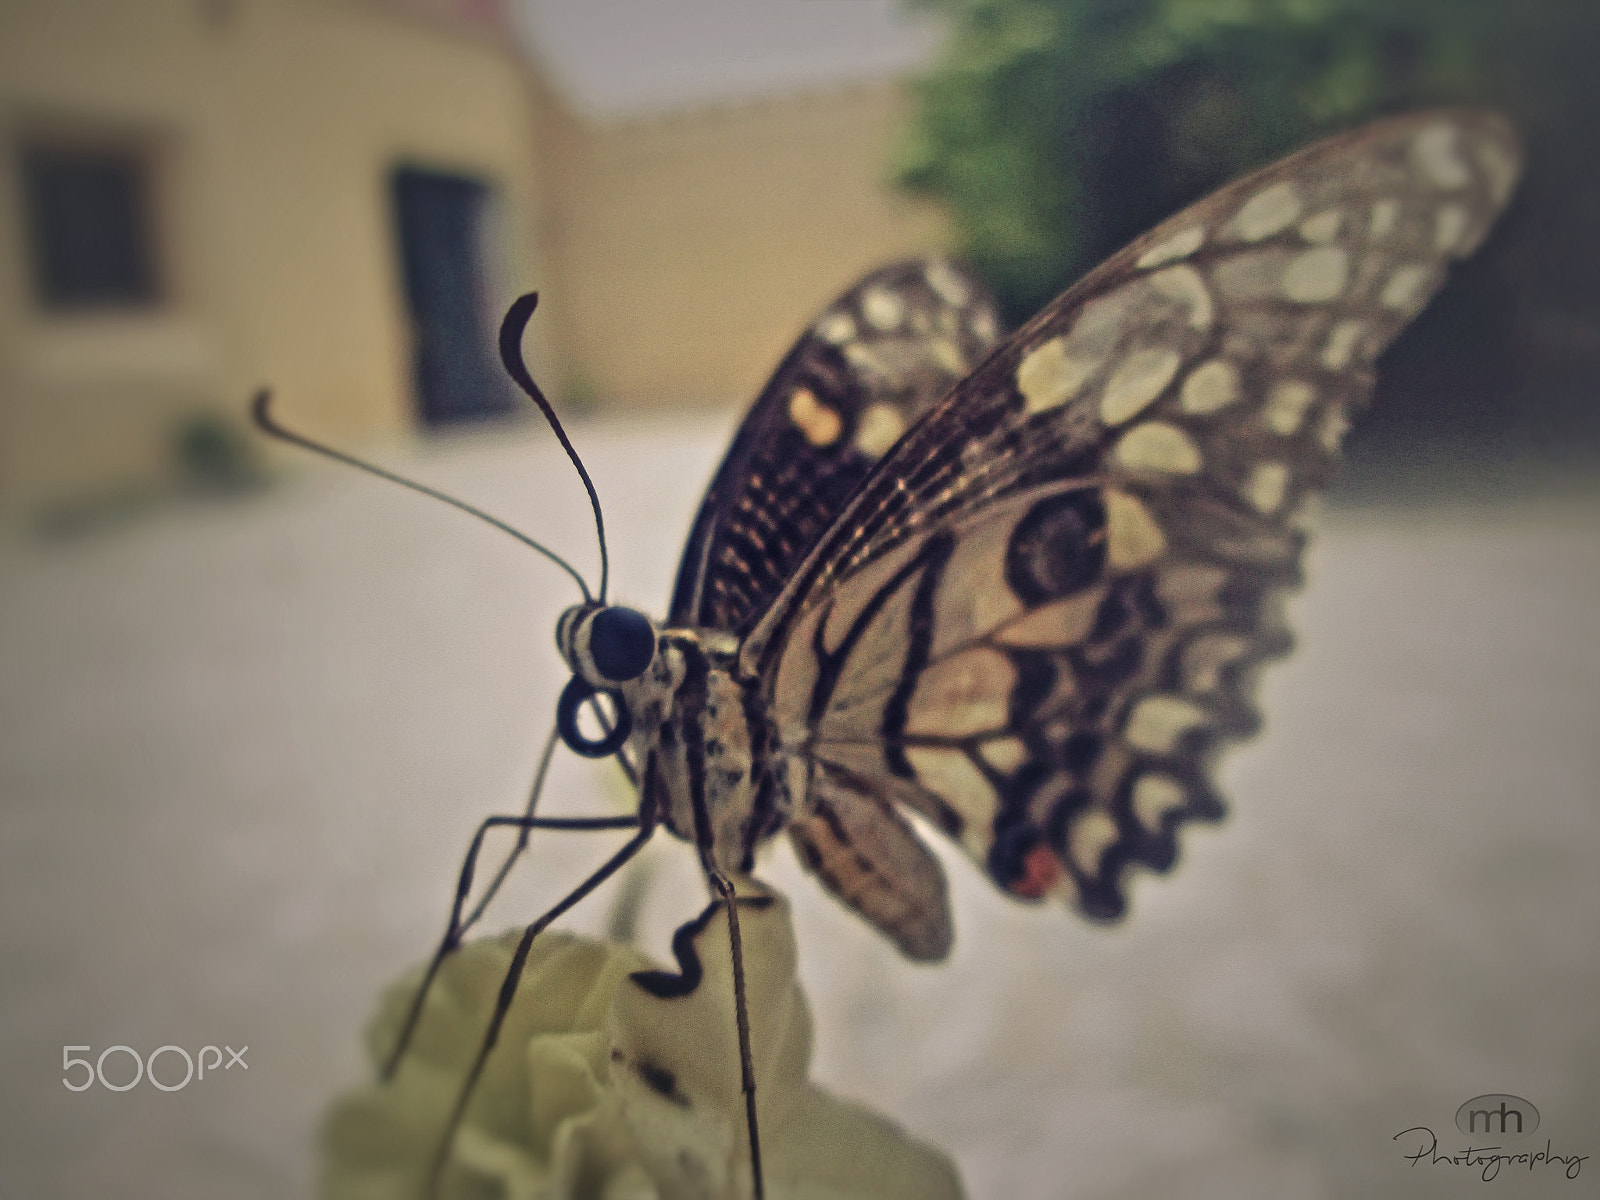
(1040, 613)
(869, 368)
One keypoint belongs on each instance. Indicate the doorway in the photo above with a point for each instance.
(440, 219)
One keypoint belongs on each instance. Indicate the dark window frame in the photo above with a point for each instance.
(441, 220)
(91, 209)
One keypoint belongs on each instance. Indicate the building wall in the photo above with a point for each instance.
(677, 257)
(694, 248)
(272, 126)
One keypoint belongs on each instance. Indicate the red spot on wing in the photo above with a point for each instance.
(1041, 870)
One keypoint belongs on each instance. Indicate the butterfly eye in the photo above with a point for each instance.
(622, 643)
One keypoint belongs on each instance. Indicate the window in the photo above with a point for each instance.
(442, 222)
(91, 235)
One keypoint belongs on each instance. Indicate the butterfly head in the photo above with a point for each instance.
(606, 645)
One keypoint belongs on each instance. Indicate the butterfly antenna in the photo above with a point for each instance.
(260, 412)
(511, 330)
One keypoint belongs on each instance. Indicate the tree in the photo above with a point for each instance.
(1055, 131)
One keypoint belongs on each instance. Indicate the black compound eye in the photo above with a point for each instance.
(622, 642)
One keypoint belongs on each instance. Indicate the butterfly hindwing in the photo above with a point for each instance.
(872, 365)
(1038, 617)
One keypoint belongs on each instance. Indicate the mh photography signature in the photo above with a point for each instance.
(1489, 1158)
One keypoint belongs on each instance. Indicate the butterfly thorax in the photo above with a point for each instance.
(707, 751)
(700, 735)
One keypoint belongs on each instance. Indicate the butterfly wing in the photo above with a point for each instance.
(872, 365)
(1041, 613)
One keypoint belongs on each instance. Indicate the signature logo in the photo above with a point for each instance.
(1489, 1122)
(1498, 1116)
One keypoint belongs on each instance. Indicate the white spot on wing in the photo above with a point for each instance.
(1184, 285)
(948, 355)
(883, 309)
(1266, 486)
(1316, 275)
(1385, 216)
(835, 327)
(951, 288)
(1341, 345)
(1090, 835)
(1157, 446)
(1404, 288)
(1267, 212)
(878, 428)
(1154, 796)
(1436, 153)
(1137, 381)
(1157, 722)
(1286, 405)
(1212, 385)
(1132, 536)
(1331, 429)
(1103, 323)
(1048, 376)
(1323, 227)
(1004, 754)
(1179, 245)
(1448, 226)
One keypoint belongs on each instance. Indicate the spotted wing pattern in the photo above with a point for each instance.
(872, 365)
(1041, 613)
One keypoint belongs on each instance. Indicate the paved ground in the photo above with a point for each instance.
(242, 745)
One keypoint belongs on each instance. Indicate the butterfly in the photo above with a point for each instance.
(1022, 586)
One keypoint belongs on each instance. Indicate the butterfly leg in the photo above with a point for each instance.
(533, 799)
(722, 886)
(522, 835)
(508, 986)
(457, 927)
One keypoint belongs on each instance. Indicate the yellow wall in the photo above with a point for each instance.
(274, 124)
(678, 257)
(693, 249)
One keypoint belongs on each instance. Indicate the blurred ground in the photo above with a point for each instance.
(243, 745)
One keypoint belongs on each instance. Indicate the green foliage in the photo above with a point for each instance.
(213, 454)
(1056, 130)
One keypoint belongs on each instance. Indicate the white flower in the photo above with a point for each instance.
(611, 1087)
